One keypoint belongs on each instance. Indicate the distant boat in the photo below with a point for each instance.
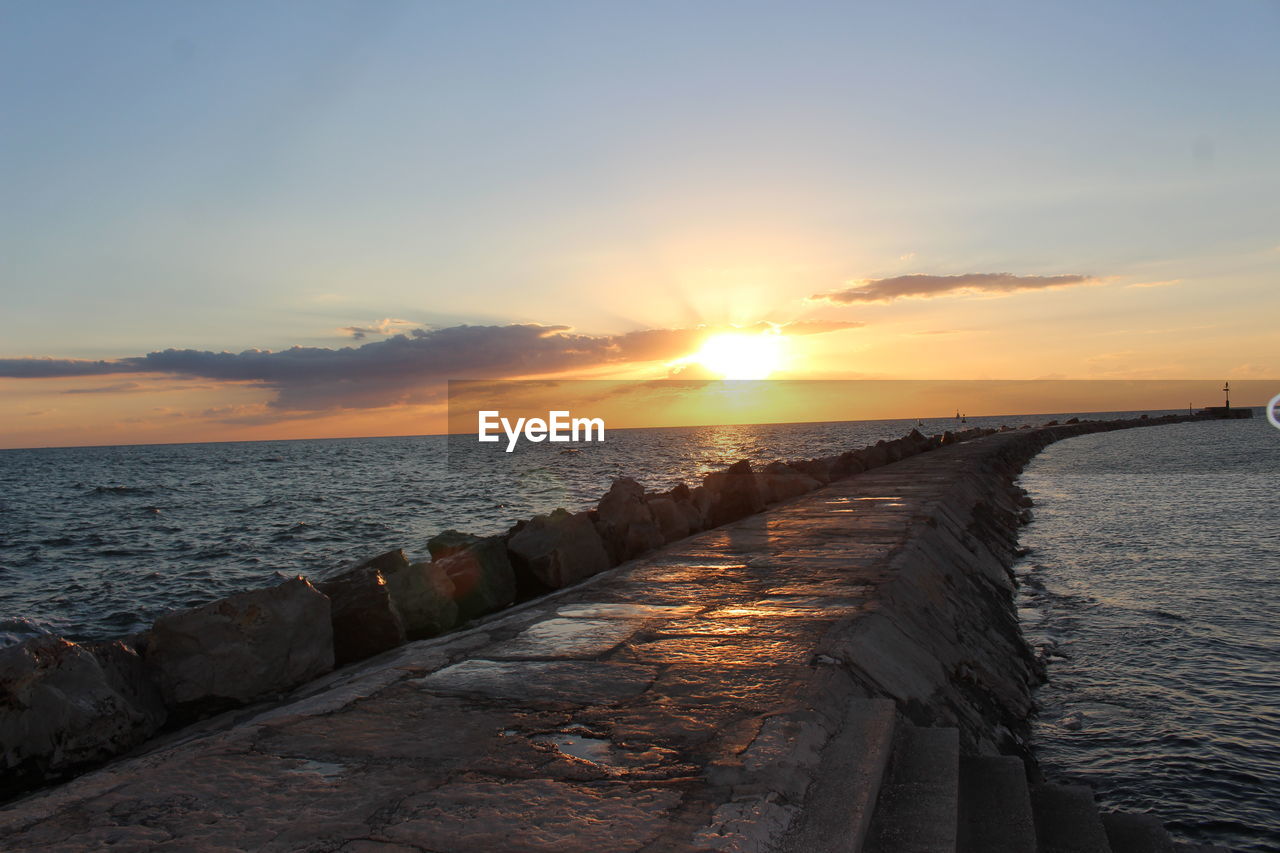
(570, 450)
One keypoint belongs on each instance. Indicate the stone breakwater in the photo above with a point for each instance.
(715, 675)
(66, 707)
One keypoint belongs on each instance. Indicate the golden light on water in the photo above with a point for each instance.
(739, 355)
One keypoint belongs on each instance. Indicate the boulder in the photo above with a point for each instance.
(555, 550)
(823, 470)
(481, 574)
(426, 597)
(64, 708)
(686, 501)
(916, 442)
(625, 522)
(365, 620)
(692, 515)
(126, 672)
(423, 594)
(779, 481)
(241, 648)
(673, 523)
(874, 457)
(700, 498)
(849, 463)
(448, 542)
(733, 494)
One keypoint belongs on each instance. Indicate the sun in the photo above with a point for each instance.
(735, 355)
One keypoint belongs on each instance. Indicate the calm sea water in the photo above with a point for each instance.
(1154, 590)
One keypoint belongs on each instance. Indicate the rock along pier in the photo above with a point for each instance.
(842, 672)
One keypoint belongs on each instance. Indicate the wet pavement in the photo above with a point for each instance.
(683, 701)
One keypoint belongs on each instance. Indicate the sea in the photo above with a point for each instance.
(1150, 590)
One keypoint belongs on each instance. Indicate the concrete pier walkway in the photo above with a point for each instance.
(803, 679)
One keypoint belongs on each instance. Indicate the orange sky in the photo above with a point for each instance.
(144, 408)
(227, 225)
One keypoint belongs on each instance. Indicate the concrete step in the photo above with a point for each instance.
(1067, 820)
(1136, 833)
(916, 811)
(841, 799)
(995, 806)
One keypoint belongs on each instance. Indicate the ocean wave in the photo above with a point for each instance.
(121, 491)
(17, 629)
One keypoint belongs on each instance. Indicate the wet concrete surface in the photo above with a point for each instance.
(682, 701)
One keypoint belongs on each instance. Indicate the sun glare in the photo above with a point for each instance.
(734, 355)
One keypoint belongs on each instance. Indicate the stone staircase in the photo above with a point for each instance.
(915, 793)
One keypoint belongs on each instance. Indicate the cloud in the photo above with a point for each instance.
(1103, 357)
(384, 327)
(113, 388)
(402, 369)
(1168, 283)
(810, 327)
(928, 286)
(1253, 371)
(55, 368)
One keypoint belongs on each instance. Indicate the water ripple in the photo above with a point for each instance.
(1154, 563)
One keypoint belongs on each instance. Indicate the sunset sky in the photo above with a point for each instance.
(266, 220)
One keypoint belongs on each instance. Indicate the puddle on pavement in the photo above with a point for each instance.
(567, 636)
(789, 606)
(896, 498)
(565, 630)
(890, 500)
(327, 769)
(594, 749)
(624, 610)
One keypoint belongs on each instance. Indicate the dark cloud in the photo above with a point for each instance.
(926, 286)
(404, 368)
(394, 370)
(56, 368)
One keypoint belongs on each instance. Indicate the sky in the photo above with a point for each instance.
(226, 221)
